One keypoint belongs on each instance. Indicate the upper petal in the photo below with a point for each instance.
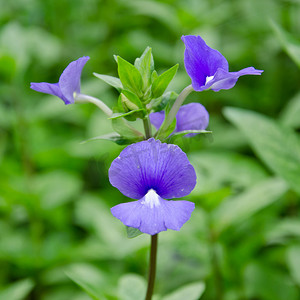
(49, 88)
(192, 116)
(201, 61)
(69, 81)
(224, 80)
(152, 165)
(154, 217)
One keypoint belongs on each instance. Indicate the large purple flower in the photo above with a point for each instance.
(208, 68)
(192, 116)
(68, 84)
(150, 171)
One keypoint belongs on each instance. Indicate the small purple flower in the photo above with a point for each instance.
(208, 68)
(192, 116)
(68, 84)
(151, 171)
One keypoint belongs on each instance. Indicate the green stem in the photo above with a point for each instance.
(147, 127)
(173, 112)
(152, 267)
(81, 98)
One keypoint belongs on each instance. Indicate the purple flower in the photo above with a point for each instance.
(151, 171)
(192, 116)
(68, 84)
(208, 68)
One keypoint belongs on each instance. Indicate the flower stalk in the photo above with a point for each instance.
(152, 267)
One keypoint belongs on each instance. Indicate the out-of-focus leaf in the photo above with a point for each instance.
(262, 282)
(132, 232)
(162, 81)
(284, 231)
(131, 287)
(120, 115)
(278, 146)
(184, 132)
(56, 188)
(217, 170)
(244, 205)
(293, 262)
(17, 290)
(192, 291)
(89, 278)
(291, 112)
(113, 81)
(289, 43)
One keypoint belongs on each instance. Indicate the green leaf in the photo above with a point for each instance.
(237, 208)
(161, 82)
(122, 115)
(113, 137)
(176, 135)
(130, 76)
(18, 290)
(133, 98)
(154, 76)
(289, 43)
(89, 278)
(160, 103)
(132, 232)
(278, 146)
(122, 127)
(145, 64)
(132, 287)
(113, 81)
(291, 112)
(164, 133)
(192, 291)
(293, 262)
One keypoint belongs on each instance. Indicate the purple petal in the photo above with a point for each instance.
(224, 80)
(69, 81)
(152, 165)
(152, 214)
(192, 116)
(157, 118)
(201, 61)
(49, 88)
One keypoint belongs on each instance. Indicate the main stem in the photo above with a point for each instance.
(152, 267)
(147, 127)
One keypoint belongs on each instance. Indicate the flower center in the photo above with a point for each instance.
(208, 78)
(151, 199)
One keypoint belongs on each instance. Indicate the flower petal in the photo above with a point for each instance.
(192, 116)
(156, 216)
(157, 118)
(201, 61)
(69, 81)
(224, 80)
(152, 165)
(49, 88)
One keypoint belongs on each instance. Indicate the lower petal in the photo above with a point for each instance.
(154, 217)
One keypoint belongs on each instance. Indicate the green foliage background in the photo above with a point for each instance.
(243, 240)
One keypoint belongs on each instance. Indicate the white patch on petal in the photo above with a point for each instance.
(151, 199)
(208, 78)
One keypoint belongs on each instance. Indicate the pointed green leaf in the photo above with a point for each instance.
(113, 81)
(130, 76)
(122, 115)
(290, 44)
(278, 146)
(154, 75)
(114, 137)
(161, 82)
(244, 205)
(122, 127)
(184, 132)
(192, 291)
(18, 290)
(145, 64)
(160, 103)
(132, 232)
(132, 287)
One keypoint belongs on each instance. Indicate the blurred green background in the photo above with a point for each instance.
(243, 240)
